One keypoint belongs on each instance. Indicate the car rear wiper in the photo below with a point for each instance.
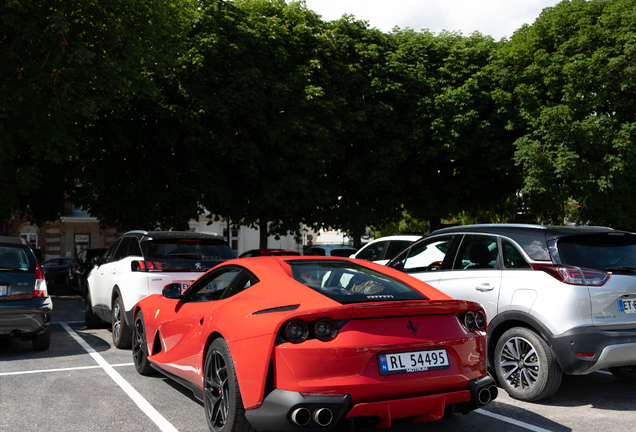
(621, 269)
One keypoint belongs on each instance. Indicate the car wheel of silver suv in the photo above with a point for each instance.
(526, 366)
(122, 334)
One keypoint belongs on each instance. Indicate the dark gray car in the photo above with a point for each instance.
(25, 305)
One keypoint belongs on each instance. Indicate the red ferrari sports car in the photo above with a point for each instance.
(296, 343)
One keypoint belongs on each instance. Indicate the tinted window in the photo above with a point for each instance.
(373, 251)
(395, 247)
(342, 252)
(512, 258)
(427, 255)
(477, 252)
(212, 286)
(287, 253)
(122, 250)
(346, 282)
(598, 251)
(315, 252)
(12, 258)
(110, 253)
(187, 253)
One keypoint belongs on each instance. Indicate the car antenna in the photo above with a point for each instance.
(580, 211)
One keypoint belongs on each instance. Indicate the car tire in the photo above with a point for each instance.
(42, 341)
(140, 347)
(525, 365)
(91, 319)
(222, 401)
(122, 334)
(626, 374)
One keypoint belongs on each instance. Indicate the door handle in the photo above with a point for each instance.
(484, 287)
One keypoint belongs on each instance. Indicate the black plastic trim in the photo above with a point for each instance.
(275, 412)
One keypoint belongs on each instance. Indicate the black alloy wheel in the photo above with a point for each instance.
(224, 410)
(140, 347)
(122, 334)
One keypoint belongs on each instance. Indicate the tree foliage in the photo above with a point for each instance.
(567, 83)
(60, 64)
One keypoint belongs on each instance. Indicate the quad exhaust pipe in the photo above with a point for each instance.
(302, 416)
(486, 394)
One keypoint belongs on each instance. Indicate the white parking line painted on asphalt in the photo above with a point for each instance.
(63, 369)
(511, 421)
(142, 403)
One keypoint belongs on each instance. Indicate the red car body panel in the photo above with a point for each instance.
(179, 333)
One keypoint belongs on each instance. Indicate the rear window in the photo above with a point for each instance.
(183, 253)
(347, 282)
(598, 251)
(342, 252)
(13, 258)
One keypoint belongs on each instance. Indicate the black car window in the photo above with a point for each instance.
(347, 282)
(427, 255)
(110, 252)
(315, 252)
(212, 285)
(81, 257)
(346, 253)
(122, 250)
(598, 251)
(395, 246)
(512, 258)
(240, 283)
(134, 249)
(13, 258)
(373, 252)
(477, 252)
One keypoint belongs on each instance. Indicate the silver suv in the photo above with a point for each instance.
(559, 299)
(141, 263)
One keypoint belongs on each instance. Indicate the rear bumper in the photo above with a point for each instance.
(290, 411)
(25, 317)
(611, 349)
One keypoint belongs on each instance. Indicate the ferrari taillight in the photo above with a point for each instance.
(40, 284)
(474, 320)
(146, 266)
(296, 331)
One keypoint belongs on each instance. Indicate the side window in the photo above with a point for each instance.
(315, 252)
(110, 253)
(512, 258)
(428, 255)
(373, 252)
(395, 247)
(477, 252)
(240, 283)
(213, 285)
(81, 258)
(122, 250)
(134, 249)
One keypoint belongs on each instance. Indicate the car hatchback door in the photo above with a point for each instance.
(476, 273)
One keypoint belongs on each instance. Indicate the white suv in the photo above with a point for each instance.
(381, 250)
(558, 299)
(141, 263)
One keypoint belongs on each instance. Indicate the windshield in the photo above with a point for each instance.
(598, 251)
(346, 282)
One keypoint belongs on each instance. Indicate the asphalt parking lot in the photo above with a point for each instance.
(84, 383)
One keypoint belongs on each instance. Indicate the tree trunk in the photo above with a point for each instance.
(357, 241)
(263, 234)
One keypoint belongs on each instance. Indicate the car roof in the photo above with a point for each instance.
(13, 240)
(397, 237)
(168, 235)
(532, 238)
(331, 247)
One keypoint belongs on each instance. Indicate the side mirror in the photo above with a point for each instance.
(172, 291)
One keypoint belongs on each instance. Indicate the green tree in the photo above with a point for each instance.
(458, 150)
(60, 64)
(567, 81)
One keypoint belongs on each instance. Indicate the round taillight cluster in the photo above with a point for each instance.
(475, 320)
(296, 331)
